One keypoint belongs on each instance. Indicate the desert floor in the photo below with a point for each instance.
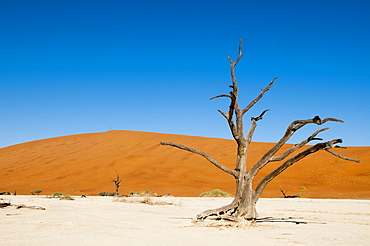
(102, 221)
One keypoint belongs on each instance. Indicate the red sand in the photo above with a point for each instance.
(85, 163)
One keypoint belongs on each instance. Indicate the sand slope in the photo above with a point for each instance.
(84, 163)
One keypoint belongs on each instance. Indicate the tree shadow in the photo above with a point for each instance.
(295, 220)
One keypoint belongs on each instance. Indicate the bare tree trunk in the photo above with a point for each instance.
(243, 207)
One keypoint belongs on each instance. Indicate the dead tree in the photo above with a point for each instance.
(243, 207)
(286, 196)
(117, 182)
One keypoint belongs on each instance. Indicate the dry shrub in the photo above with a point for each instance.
(148, 200)
(144, 194)
(215, 193)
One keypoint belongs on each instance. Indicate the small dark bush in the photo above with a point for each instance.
(57, 194)
(103, 193)
(35, 192)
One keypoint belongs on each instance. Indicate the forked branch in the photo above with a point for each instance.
(253, 126)
(292, 128)
(320, 146)
(210, 159)
(297, 146)
(117, 180)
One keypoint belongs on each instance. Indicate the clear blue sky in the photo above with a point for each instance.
(71, 67)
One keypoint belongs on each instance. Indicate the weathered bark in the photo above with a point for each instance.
(243, 207)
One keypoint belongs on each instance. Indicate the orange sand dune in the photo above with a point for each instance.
(85, 163)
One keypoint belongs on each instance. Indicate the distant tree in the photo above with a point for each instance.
(243, 207)
(286, 196)
(116, 182)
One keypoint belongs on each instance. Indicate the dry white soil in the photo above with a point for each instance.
(101, 221)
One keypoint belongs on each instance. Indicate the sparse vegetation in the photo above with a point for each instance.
(61, 196)
(144, 193)
(35, 192)
(104, 193)
(57, 194)
(148, 200)
(66, 197)
(216, 193)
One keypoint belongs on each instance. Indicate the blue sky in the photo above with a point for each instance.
(71, 67)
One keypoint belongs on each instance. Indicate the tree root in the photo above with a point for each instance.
(234, 223)
(225, 217)
(218, 213)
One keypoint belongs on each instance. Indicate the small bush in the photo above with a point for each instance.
(35, 192)
(66, 197)
(103, 193)
(215, 193)
(302, 188)
(57, 194)
(111, 194)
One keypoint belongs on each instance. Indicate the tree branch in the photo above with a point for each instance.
(260, 116)
(116, 181)
(292, 128)
(240, 51)
(251, 132)
(294, 159)
(254, 120)
(220, 96)
(236, 129)
(231, 124)
(243, 111)
(298, 146)
(210, 159)
(341, 156)
(224, 114)
(240, 54)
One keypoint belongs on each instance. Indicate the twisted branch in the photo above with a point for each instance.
(292, 128)
(340, 156)
(325, 146)
(298, 146)
(210, 159)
